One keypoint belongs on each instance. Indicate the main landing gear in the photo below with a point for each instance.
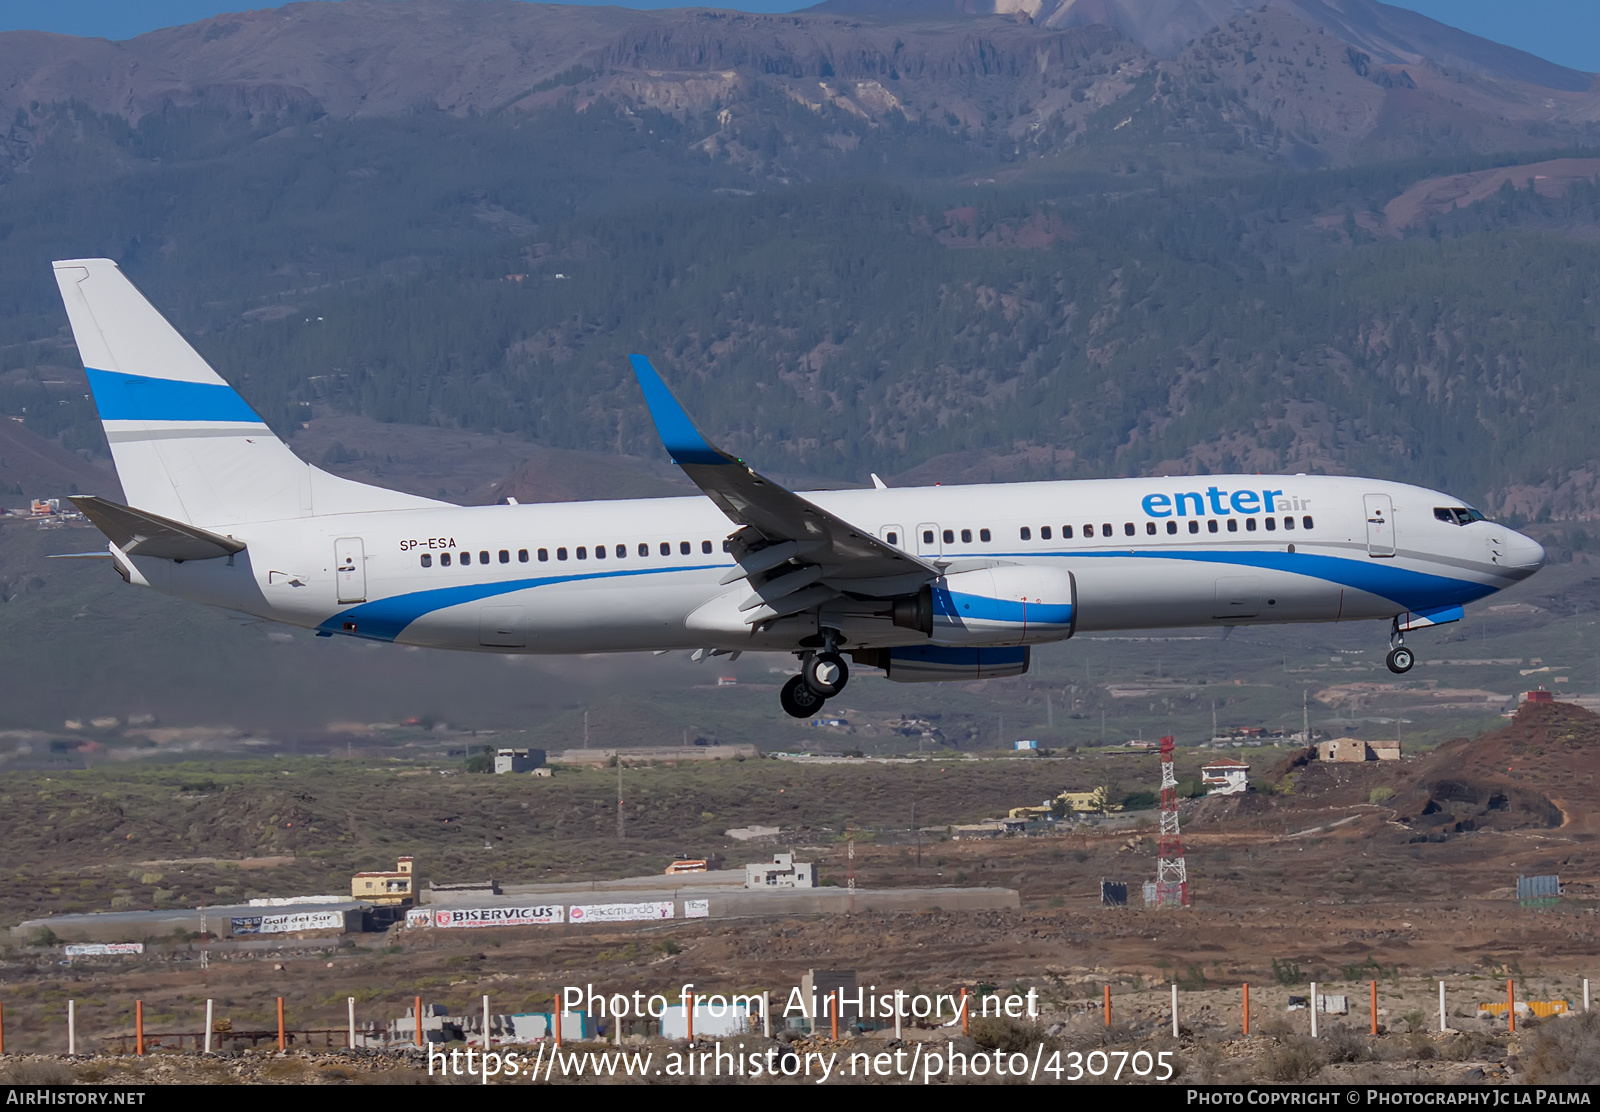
(1400, 658)
(822, 676)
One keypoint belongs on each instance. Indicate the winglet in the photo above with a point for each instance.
(682, 440)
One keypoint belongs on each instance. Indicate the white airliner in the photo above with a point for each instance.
(926, 583)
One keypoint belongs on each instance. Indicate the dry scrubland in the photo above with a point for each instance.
(1308, 879)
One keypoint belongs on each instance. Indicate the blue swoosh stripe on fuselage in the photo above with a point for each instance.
(122, 397)
(958, 607)
(385, 619)
(1410, 590)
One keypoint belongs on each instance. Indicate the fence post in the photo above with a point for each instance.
(688, 1011)
(766, 1015)
(1585, 1008)
(72, 1028)
(208, 1027)
(1375, 1006)
(966, 1014)
(3, 1017)
(560, 1011)
(351, 1001)
(1174, 1011)
(1106, 1004)
(1444, 1023)
(486, 1040)
(1247, 1008)
(416, 1012)
(138, 1026)
(1511, 1004)
(898, 1007)
(282, 1044)
(1313, 1009)
(833, 1014)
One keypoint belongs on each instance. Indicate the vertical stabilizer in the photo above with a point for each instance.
(186, 445)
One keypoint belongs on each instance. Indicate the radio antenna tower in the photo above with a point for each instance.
(1172, 875)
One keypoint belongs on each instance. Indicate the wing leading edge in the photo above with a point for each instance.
(777, 525)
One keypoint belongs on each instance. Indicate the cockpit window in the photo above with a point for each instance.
(1457, 515)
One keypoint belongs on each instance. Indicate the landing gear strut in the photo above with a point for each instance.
(1400, 658)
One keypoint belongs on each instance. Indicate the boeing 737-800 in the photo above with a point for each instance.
(925, 583)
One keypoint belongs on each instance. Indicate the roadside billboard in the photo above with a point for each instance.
(497, 916)
(619, 912)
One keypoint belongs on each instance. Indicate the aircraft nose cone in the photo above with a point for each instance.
(1525, 553)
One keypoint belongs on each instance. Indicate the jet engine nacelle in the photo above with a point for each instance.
(1011, 604)
(942, 663)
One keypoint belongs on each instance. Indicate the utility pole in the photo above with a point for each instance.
(918, 831)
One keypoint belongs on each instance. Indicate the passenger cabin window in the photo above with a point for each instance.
(1066, 532)
(1105, 530)
(1088, 530)
(1233, 525)
(622, 552)
(1172, 528)
(683, 548)
(1194, 526)
(1044, 532)
(949, 536)
(483, 557)
(1249, 525)
(444, 559)
(544, 555)
(583, 552)
(927, 536)
(705, 548)
(1211, 526)
(966, 536)
(1027, 534)
(891, 537)
(522, 555)
(561, 554)
(983, 535)
(1288, 523)
(599, 552)
(505, 556)
(1306, 522)
(1128, 529)
(1271, 524)
(427, 560)
(666, 548)
(1150, 528)
(644, 550)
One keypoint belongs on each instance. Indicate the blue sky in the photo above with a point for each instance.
(1564, 31)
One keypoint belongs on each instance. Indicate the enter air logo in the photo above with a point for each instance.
(1216, 502)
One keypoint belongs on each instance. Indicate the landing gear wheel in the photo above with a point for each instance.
(826, 674)
(798, 700)
(1400, 660)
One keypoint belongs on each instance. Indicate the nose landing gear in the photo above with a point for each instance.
(1400, 658)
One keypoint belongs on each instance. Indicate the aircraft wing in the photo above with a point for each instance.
(778, 524)
(140, 533)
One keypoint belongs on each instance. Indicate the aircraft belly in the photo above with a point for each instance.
(603, 615)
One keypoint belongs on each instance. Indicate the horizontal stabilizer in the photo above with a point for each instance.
(138, 533)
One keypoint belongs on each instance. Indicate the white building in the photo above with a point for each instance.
(518, 760)
(783, 871)
(1225, 777)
